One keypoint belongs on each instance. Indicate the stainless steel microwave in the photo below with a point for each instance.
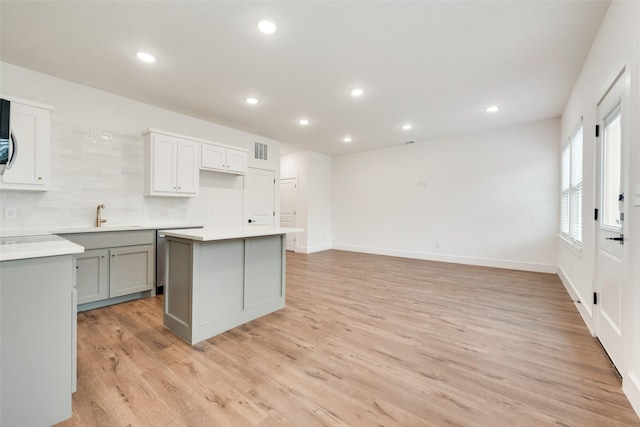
(8, 147)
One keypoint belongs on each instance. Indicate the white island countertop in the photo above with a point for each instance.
(23, 247)
(207, 234)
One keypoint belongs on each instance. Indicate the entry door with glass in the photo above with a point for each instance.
(610, 247)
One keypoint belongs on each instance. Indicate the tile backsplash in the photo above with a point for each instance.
(95, 166)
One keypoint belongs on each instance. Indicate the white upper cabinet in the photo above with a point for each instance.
(212, 157)
(187, 172)
(31, 129)
(223, 159)
(171, 166)
(173, 162)
(236, 161)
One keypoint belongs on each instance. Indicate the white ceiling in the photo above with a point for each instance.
(435, 64)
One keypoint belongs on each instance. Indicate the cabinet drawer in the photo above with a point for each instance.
(108, 239)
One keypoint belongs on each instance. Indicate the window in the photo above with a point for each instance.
(612, 159)
(571, 203)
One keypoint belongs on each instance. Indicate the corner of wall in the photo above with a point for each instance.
(584, 308)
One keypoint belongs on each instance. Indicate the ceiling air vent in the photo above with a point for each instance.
(260, 151)
(409, 142)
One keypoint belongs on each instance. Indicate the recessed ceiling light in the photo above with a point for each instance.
(492, 109)
(357, 92)
(347, 139)
(267, 26)
(407, 126)
(252, 101)
(303, 122)
(146, 57)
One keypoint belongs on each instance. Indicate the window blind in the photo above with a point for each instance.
(566, 183)
(575, 206)
(571, 188)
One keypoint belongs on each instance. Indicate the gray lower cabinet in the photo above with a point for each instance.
(131, 270)
(92, 275)
(116, 266)
(36, 356)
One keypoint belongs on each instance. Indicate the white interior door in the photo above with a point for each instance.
(611, 251)
(260, 193)
(288, 208)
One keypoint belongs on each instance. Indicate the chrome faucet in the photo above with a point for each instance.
(99, 219)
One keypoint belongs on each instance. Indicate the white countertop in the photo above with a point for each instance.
(106, 228)
(223, 233)
(44, 245)
(22, 247)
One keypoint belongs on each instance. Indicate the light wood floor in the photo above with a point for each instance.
(364, 340)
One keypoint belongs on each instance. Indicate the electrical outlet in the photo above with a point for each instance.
(10, 213)
(437, 245)
(212, 213)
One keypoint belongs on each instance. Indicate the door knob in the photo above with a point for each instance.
(617, 239)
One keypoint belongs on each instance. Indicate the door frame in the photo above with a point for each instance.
(294, 247)
(622, 77)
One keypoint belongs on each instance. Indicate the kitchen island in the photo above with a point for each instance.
(220, 278)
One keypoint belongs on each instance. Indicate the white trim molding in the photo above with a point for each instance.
(312, 249)
(631, 387)
(482, 262)
(584, 306)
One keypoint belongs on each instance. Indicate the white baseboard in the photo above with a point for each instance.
(631, 387)
(585, 307)
(312, 249)
(482, 262)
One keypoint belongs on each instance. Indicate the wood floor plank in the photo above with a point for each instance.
(364, 340)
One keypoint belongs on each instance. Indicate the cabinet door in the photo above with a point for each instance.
(31, 129)
(264, 270)
(92, 275)
(187, 171)
(163, 160)
(236, 161)
(212, 157)
(130, 270)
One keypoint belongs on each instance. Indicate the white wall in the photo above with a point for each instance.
(487, 198)
(97, 157)
(616, 46)
(314, 173)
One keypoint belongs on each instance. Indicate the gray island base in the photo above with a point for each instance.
(218, 279)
